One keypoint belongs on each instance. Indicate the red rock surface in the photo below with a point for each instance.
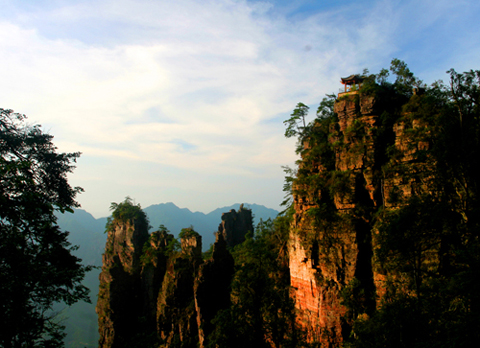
(317, 277)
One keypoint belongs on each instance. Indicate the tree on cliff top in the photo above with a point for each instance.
(37, 268)
(127, 211)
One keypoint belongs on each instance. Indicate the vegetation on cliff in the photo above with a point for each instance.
(37, 268)
(262, 311)
(122, 316)
(396, 180)
(127, 212)
(188, 232)
(428, 241)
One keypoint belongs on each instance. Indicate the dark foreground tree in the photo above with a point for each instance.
(37, 268)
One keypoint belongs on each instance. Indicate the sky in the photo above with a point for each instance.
(184, 101)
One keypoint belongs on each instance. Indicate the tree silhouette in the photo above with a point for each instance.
(37, 268)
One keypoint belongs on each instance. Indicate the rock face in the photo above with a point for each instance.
(346, 187)
(152, 295)
(176, 316)
(212, 287)
(155, 261)
(235, 226)
(119, 298)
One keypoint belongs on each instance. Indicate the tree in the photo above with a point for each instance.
(127, 211)
(37, 268)
(297, 125)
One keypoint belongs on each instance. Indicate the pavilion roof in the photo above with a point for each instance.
(352, 79)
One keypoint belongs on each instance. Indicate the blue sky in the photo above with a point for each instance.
(183, 101)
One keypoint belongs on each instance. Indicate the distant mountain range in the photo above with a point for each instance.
(88, 233)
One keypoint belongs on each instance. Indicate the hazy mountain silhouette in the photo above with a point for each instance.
(88, 233)
(175, 218)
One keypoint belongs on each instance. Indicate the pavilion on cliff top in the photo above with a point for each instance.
(351, 81)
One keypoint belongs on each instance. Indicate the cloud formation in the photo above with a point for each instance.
(184, 100)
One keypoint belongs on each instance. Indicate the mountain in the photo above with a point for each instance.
(88, 233)
(175, 218)
(259, 212)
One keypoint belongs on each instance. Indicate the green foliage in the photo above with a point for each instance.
(325, 109)
(444, 316)
(353, 297)
(316, 136)
(188, 233)
(296, 124)
(160, 244)
(173, 246)
(288, 187)
(209, 253)
(404, 84)
(37, 268)
(405, 79)
(127, 212)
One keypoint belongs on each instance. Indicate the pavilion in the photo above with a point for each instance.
(351, 82)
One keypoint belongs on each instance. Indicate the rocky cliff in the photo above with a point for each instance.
(152, 294)
(235, 226)
(351, 165)
(120, 293)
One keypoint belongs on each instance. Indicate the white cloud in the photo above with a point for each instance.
(186, 88)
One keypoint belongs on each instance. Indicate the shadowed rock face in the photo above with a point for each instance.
(119, 297)
(155, 259)
(176, 315)
(212, 287)
(235, 225)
